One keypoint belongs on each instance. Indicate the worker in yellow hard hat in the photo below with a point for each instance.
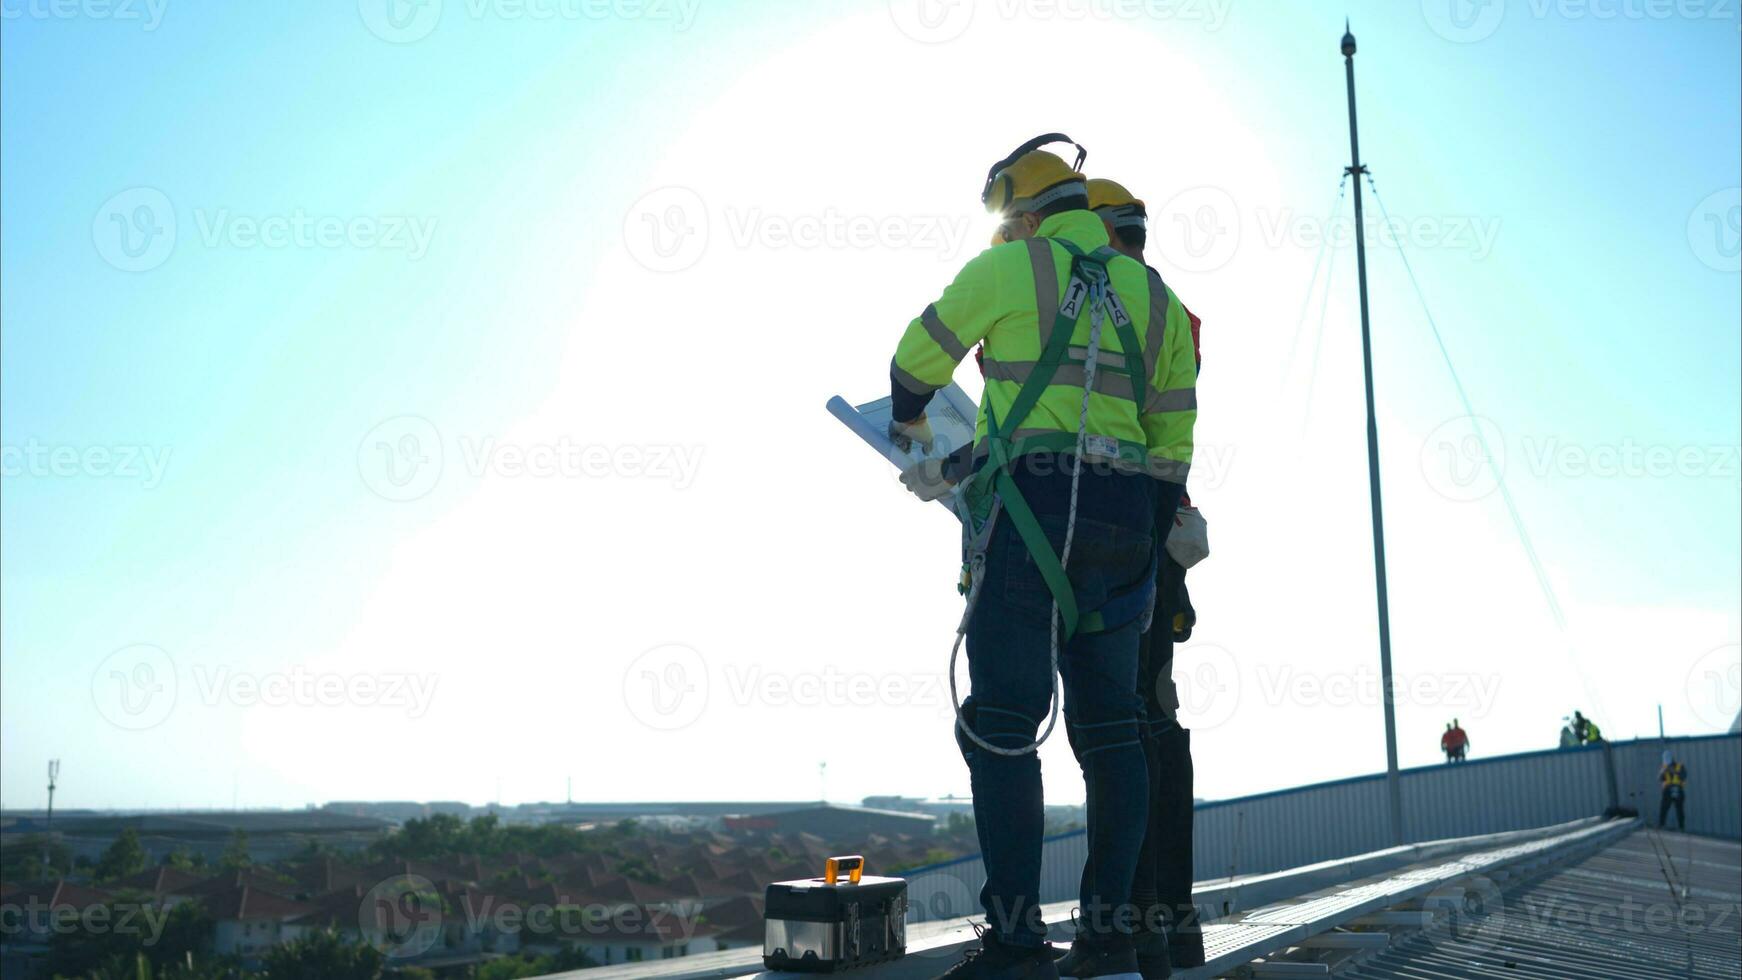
(1674, 777)
(1122, 213)
(1085, 424)
(1126, 219)
(1169, 933)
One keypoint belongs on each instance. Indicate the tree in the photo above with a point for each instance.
(524, 965)
(514, 967)
(443, 836)
(187, 930)
(138, 967)
(124, 856)
(314, 849)
(235, 856)
(120, 967)
(209, 968)
(184, 860)
(25, 861)
(129, 938)
(323, 956)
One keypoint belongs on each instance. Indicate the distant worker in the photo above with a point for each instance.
(1169, 934)
(1054, 472)
(1455, 742)
(1674, 777)
(1585, 731)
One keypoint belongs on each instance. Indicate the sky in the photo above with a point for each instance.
(425, 400)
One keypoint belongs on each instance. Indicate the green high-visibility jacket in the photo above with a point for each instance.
(1008, 297)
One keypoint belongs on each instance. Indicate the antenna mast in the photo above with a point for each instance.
(1357, 170)
(48, 820)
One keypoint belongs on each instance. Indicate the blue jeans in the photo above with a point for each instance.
(1009, 665)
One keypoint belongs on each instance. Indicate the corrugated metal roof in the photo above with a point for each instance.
(1290, 828)
(1651, 905)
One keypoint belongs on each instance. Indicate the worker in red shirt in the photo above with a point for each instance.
(1454, 742)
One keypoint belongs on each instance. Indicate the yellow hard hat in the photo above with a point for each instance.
(1031, 178)
(1104, 193)
(1116, 205)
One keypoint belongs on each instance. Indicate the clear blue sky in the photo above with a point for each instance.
(194, 430)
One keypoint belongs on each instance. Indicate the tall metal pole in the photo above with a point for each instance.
(1357, 170)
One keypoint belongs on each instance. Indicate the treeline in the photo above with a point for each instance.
(39, 858)
(444, 835)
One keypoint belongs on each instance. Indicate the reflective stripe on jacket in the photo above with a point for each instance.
(1008, 297)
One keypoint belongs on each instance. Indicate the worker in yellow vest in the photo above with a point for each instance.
(1169, 933)
(1674, 777)
(1084, 432)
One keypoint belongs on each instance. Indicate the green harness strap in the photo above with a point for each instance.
(1003, 450)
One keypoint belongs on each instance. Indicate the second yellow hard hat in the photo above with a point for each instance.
(1116, 205)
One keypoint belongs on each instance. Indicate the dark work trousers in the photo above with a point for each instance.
(1009, 663)
(1164, 861)
(1672, 796)
(1164, 871)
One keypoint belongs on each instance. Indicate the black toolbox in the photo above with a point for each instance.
(842, 920)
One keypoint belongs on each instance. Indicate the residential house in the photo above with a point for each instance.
(250, 920)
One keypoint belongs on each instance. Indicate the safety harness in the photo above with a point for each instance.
(992, 488)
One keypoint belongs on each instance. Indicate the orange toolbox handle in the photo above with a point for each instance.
(852, 864)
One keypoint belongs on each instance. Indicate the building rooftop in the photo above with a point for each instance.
(1591, 898)
(1650, 905)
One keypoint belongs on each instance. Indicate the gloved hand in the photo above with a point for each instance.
(926, 479)
(906, 434)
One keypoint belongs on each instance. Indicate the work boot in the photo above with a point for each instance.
(996, 960)
(1185, 940)
(1153, 956)
(1102, 957)
(1069, 959)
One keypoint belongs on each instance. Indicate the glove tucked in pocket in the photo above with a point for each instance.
(1189, 541)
